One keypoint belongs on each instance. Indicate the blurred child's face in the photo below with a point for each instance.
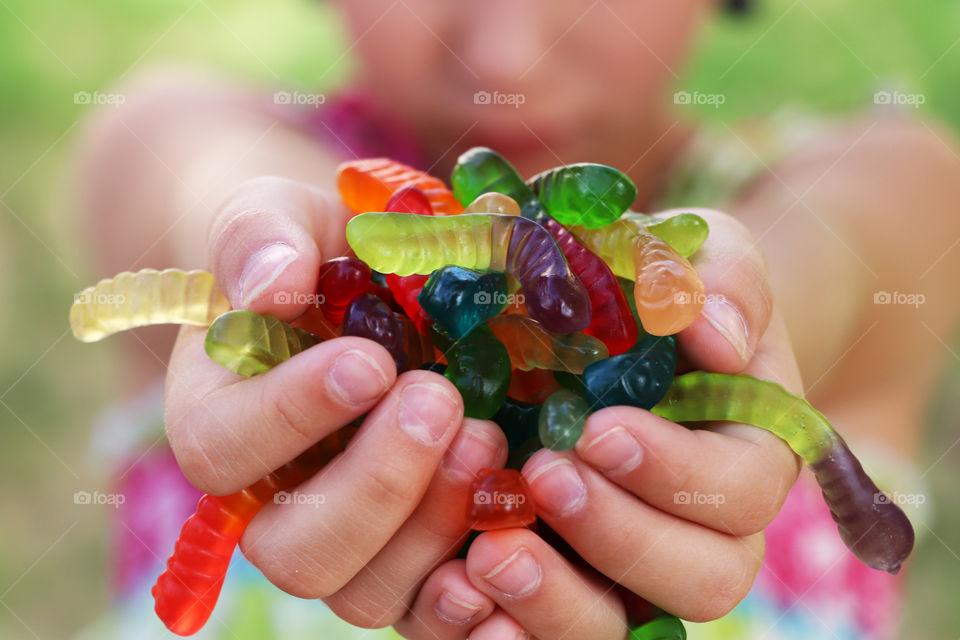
(526, 76)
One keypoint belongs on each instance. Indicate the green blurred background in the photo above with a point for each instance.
(819, 54)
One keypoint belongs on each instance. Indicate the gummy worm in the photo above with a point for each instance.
(366, 185)
(129, 300)
(405, 244)
(874, 529)
(482, 170)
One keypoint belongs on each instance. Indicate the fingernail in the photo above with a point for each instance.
(262, 268)
(728, 321)
(454, 610)
(614, 451)
(357, 378)
(517, 576)
(557, 487)
(426, 412)
(472, 450)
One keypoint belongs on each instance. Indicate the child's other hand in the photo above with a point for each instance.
(389, 508)
(674, 515)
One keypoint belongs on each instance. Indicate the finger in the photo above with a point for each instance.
(313, 549)
(227, 432)
(499, 626)
(729, 477)
(687, 569)
(447, 607)
(724, 482)
(541, 590)
(738, 300)
(266, 242)
(380, 594)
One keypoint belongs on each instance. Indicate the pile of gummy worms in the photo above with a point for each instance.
(434, 279)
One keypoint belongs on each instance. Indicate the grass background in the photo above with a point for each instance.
(822, 55)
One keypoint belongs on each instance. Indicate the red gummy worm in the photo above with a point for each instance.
(340, 281)
(186, 593)
(406, 289)
(612, 321)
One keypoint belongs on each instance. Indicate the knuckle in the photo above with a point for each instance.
(390, 487)
(297, 573)
(363, 610)
(730, 587)
(194, 454)
(290, 413)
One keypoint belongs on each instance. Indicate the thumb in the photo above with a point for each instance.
(265, 244)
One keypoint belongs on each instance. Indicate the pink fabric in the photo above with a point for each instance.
(807, 566)
(157, 501)
(354, 127)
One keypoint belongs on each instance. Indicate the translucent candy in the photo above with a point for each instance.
(494, 203)
(186, 593)
(531, 346)
(404, 244)
(461, 299)
(587, 194)
(366, 185)
(638, 378)
(500, 499)
(147, 297)
(685, 233)
(249, 343)
(668, 291)
(875, 530)
(561, 420)
(340, 281)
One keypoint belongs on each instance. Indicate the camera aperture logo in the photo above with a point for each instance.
(899, 298)
(899, 499)
(297, 297)
(715, 100)
(499, 98)
(900, 99)
(499, 498)
(298, 497)
(497, 298)
(99, 498)
(299, 98)
(99, 298)
(697, 297)
(99, 98)
(697, 498)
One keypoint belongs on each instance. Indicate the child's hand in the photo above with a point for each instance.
(674, 515)
(379, 516)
